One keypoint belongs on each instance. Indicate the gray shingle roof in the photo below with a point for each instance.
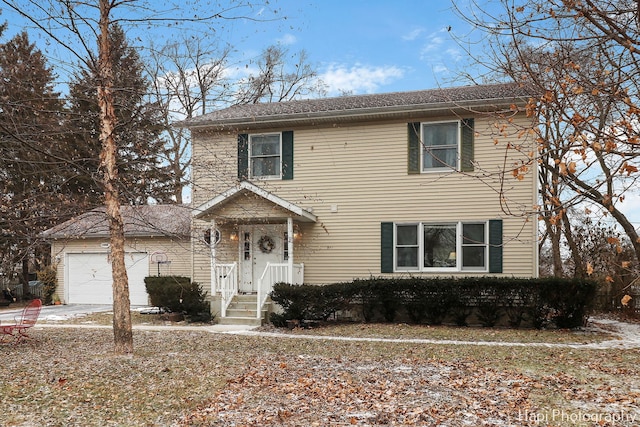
(345, 106)
(146, 220)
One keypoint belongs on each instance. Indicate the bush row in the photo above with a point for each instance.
(178, 295)
(562, 303)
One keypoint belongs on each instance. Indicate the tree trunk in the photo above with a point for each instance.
(122, 331)
(576, 254)
(24, 279)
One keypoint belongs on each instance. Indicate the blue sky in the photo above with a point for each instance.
(357, 46)
(369, 46)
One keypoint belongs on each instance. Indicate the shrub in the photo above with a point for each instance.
(48, 277)
(179, 295)
(563, 303)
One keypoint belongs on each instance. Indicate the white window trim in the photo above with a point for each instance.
(250, 154)
(458, 267)
(458, 149)
(484, 269)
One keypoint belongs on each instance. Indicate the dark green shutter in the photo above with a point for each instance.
(287, 154)
(413, 148)
(243, 156)
(466, 147)
(495, 246)
(386, 247)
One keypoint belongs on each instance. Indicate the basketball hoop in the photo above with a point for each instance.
(160, 257)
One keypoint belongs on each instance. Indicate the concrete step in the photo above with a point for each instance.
(243, 305)
(246, 297)
(240, 312)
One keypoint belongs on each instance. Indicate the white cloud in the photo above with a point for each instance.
(359, 78)
(287, 39)
(434, 42)
(413, 34)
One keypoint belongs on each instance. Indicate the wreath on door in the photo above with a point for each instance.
(266, 244)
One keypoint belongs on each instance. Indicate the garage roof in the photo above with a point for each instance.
(141, 221)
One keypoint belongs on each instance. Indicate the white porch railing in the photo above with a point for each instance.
(226, 278)
(274, 273)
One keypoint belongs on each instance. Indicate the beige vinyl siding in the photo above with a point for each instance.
(214, 165)
(177, 251)
(355, 177)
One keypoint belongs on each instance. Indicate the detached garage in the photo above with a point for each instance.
(89, 275)
(157, 242)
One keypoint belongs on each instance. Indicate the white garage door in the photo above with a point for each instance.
(89, 278)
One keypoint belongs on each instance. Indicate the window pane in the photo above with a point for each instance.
(440, 158)
(474, 246)
(440, 145)
(265, 145)
(440, 245)
(407, 246)
(473, 256)
(265, 166)
(440, 134)
(407, 257)
(265, 155)
(406, 235)
(473, 234)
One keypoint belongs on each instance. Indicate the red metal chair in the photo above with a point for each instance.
(28, 318)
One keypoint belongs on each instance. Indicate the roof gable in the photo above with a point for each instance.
(244, 186)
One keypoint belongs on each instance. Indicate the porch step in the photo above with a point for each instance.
(242, 311)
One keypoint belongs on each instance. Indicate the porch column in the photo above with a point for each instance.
(212, 248)
(290, 249)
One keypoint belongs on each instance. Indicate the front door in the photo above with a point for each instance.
(259, 245)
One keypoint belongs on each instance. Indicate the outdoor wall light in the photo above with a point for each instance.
(233, 236)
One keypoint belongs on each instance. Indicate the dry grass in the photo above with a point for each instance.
(451, 333)
(388, 330)
(70, 377)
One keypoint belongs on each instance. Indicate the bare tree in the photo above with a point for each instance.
(74, 27)
(192, 77)
(582, 59)
(188, 80)
(279, 79)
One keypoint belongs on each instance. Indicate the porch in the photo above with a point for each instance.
(250, 308)
(252, 236)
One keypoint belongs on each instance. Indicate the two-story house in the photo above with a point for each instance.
(432, 183)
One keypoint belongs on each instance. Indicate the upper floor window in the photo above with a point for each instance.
(440, 143)
(441, 146)
(264, 156)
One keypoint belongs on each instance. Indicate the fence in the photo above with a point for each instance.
(35, 289)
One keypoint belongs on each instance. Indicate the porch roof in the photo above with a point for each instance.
(209, 207)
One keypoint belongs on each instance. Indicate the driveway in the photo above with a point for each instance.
(56, 312)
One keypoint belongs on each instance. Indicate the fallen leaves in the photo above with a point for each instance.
(345, 391)
(70, 377)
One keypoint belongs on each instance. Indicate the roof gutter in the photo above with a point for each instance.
(479, 105)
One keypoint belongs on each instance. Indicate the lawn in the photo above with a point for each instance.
(70, 377)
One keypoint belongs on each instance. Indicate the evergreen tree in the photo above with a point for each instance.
(32, 174)
(142, 177)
